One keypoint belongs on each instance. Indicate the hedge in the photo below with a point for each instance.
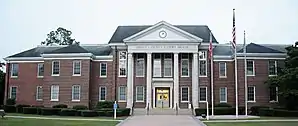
(68, 112)
(222, 105)
(277, 112)
(60, 106)
(19, 108)
(50, 111)
(89, 113)
(80, 107)
(9, 108)
(104, 104)
(220, 111)
(254, 110)
(110, 112)
(30, 110)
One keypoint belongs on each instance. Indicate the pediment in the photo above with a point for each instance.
(163, 32)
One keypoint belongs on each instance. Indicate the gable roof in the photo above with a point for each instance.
(69, 49)
(122, 32)
(255, 48)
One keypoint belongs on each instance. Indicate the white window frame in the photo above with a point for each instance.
(254, 87)
(171, 66)
(12, 70)
(10, 91)
(253, 66)
(154, 70)
(52, 93)
(38, 69)
(119, 100)
(187, 94)
(53, 68)
(143, 92)
(100, 88)
(226, 95)
(39, 92)
(275, 64)
(204, 58)
(72, 92)
(140, 59)
(206, 94)
(73, 67)
(276, 89)
(181, 66)
(219, 70)
(106, 70)
(125, 64)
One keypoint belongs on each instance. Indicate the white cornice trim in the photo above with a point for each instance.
(222, 56)
(262, 54)
(41, 59)
(117, 44)
(67, 55)
(23, 58)
(159, 24)
(27, 61)
(110, 57)
(273, 58)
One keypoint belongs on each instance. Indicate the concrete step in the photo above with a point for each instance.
(158, 111)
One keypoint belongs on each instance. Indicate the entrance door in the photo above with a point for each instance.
(162, 97)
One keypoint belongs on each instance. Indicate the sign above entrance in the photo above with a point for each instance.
(187, 48)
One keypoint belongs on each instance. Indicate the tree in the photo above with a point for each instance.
(287, 79)
(61, 37)
(2, 84)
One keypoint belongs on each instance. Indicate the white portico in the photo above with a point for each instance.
(167, 39)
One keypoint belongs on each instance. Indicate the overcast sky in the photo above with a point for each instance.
(25, 23)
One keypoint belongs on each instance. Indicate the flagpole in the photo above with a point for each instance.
(211, 70)
(245, 73)
(235, 58)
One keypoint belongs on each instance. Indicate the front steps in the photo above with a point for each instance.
(162, 111)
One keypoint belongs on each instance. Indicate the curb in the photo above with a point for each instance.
(123, 121)
(199, 121)
(273, 120)
(32, 117)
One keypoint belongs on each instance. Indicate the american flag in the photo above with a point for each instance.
(234, 31)
(210, 46)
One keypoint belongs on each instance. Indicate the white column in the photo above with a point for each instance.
(195, 81)
(129, 81)
(176, 80)
(149, 79)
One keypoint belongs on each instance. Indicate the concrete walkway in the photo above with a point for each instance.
(161, 120)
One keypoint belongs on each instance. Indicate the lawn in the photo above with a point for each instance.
(50, 122)
(251, 123)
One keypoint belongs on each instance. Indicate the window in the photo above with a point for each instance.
(251, 94)
(185, 65)
(102, 93)
(167, 65)
(54, 93)
(184, 94)
(273, 94)
(222, 70)
(250, 68)
(122, 63)
(140, 94)
(203, 63)
(39, 94)
(14, 70)
(157, 65)
(222, 94)
(76, 93)
(203, 94)
(103, 70)
(13, 92)
(76, 68)
(122, 93)
(40, 70)
(140, 65)
(55, 68)
(272, 67)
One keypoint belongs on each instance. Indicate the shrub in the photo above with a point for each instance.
(89, 113)
(60, 106)
(10, 101)
(104, 104)
(222, 105)
(277, 112)
(50, 111)
(220, 111)
(68, 112)
(9, 108)
(255, 109)
(124, 111)
(80, 107)
(38, 108)
(20, 108)
(30, 110)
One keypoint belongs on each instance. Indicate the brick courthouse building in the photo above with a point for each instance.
(157, 65)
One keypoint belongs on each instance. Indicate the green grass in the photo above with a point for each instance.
(79, 117)
(48, 122)
(252, 124)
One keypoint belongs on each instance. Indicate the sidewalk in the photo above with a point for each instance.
(257, 120)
